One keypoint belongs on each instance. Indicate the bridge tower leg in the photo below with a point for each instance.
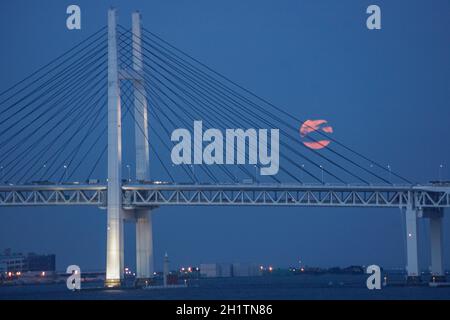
(437, 267)
(114, 250)
(144, 234)
(412, 266)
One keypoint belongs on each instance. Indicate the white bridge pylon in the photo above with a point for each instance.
(116, 214)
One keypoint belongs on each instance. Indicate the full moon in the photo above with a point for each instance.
(309, 127)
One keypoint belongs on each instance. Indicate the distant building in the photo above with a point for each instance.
(214, 270)
(245, 270)
(226, 270)
(18, 262)
(210, 270)
(13, 262)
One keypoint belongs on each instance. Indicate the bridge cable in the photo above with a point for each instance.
(145, 135)
(52, 62)
(56, 138)
(193, 108)
(241, 115)
(223, 169)
(295, 140)
(265, 122)
(57, 80)
(227, 172)
(39, 140)
(257, 97)
(205, 169)
(62, 89)
(176, 115)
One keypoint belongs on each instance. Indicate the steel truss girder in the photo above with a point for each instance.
(242, 195)
(284, 195)
(52, 196)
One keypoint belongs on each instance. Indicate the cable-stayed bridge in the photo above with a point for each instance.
(70, 131)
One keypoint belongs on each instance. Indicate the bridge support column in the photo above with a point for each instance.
(412, 257)
(144, 247)
(437, 267)
(114, 250)
(144, 231)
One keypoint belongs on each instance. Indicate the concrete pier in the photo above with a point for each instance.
(412, 257)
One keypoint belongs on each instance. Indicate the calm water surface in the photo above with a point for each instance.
(275, 287)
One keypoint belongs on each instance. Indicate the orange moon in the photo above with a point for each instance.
(310, 126)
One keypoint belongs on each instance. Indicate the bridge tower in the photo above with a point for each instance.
(116, 214)
(114, 246)
(144, 232)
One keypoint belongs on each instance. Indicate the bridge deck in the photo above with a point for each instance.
(150, 195)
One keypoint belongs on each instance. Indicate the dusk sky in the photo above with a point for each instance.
(385, 93)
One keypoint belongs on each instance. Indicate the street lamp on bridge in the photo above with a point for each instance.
(129, 172)
(65, 172)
